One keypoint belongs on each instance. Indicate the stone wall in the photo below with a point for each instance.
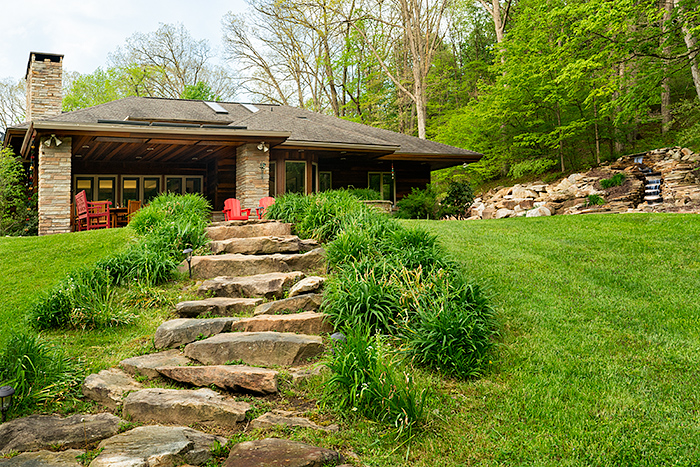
(54, 186)
(251, 183)
(44, 81)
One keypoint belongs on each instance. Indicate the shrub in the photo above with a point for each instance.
(413, 248)
(366, 194)
(457, 201)
(594, 200)
(419, 204)
(39, 372)
(18, 213)
(531, 166)
(615, 180)
(367, 380)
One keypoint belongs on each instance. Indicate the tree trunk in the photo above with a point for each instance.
(666, 83)
(597, 133)
(691, 44)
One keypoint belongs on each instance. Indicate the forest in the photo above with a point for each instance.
(536, 86)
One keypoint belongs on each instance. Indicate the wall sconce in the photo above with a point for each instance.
(188, 252)
(57, 142)
(6, 393)
(262, 170)
(263, 147)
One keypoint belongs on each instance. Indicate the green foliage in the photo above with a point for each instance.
(366, 379)
(457, 200)
(18, 213)
(615, 180)
(96, 88)
(594, 200)
(531, 166)
(200, 91)
(88, 456)
(419, 204)
(366, 194)
(689, 117)
(39, 372)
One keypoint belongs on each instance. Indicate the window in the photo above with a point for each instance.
(130, 189)
(84, 183)
(105, 189)
(325, 181)
(273, 179)
(173, 185)
(193, 185)
(151, 188)
(133, 187)
(295, 177)
(383, 183)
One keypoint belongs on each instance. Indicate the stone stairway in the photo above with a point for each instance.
(249, 334)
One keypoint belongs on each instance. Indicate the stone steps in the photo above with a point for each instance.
(262, 245)
(246, 229)
(217, 306)
(235, 264)
(270, 286)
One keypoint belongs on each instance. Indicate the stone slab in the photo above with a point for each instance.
(280, 452)
(257, 245)
(269, 286)
(311, 262)
(184, 407)
(108, 387)
(216, 306)
(304, 302)
(145, 365)
(258, 229)
(237, 378)
(256, 348)
(287, 419)
(177, 332)
(49, 431)
(206, 267)
(307, 322)
(66, 458)
(156, 446)
(307, 285)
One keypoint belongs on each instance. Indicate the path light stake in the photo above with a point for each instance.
(188, 252)
(6, 393)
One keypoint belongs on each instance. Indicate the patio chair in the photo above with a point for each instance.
(233, 211)
(134, 205)
(91, 215)
(265, 203)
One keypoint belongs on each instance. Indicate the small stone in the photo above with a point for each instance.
(273, 451)
(289, 419)
(177, 332)
(108, 387)
(49, 431)
(145, 365)
(237, 378)
(184, 407)
(216, 306)
(44, 459)
(306, 285)
(304, 302)
(156, 446)
(308, 322)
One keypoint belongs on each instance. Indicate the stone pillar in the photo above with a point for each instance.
(252, 183)
(44, 83)
(54, 186)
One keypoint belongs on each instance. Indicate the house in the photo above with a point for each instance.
(137, 147)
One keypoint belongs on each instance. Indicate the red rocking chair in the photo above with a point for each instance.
(233, 211)
(91, 215)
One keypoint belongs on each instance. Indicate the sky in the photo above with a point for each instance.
(86, 31)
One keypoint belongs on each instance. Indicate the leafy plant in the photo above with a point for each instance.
(458, 199)
(18, 213)
(615, 180)
(366, 194)
(419, 204)
(594, 200)
(88, 456)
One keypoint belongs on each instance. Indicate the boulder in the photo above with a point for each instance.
(269, 286)
(256, 348)
(216, 306)
(522, 193)
(50, 431)
(503, 213)
(177, 332)
(305, 302)
(108, 387)
(145, 365)
(184, 407)
(257, 245)
(232, 229)
(237, 378)
(307, 322)
(488, 213)
(273, 451)
(205, 267)
(539, 212)
(44, 459)
(306, 285)
(286, 419)
(526, 204)
(156, 446)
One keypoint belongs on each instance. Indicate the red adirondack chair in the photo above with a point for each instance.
(233, 211)
(91, 215)
(265, 203)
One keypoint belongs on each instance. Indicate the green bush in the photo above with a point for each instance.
(615, 180)
(366, 379)
(594, 200)
(39, 372)
(18, 212)
(365, 194)
(457, 201)
(419, 204)
(413, 248)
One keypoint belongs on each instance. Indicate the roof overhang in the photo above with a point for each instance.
(325, 146)
(436, 161)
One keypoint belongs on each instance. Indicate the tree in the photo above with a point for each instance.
(81, 91)
(200, 91)
(17, 210)
(12, 102)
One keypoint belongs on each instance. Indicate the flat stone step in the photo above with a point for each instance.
(145, 365)
(184, 407)
(256, 348)
(262, 245)
(308, 322)
(108, 387)
(652, 198)
(246, 229)
(156, 446)
(274, 451)
(68, 458)
(304, 302)
(287, 419)
(269, 286)
(177, 332)
(236, 378)
(217, 306)
(206, 267)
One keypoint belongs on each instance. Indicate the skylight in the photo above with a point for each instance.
(216, 107)
(251, 107)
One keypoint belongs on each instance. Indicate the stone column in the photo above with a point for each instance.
(54, 186)
(252, 183)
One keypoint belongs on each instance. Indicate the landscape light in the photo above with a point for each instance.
(188, 252)
(6, 393)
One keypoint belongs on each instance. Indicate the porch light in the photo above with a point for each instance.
(188, 252)
(6, 393)
(263, 147)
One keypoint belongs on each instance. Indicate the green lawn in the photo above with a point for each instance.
(599, 362)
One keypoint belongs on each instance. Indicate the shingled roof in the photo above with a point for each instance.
(306, 128)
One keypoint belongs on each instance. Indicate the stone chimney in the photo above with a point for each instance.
(44, 82)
